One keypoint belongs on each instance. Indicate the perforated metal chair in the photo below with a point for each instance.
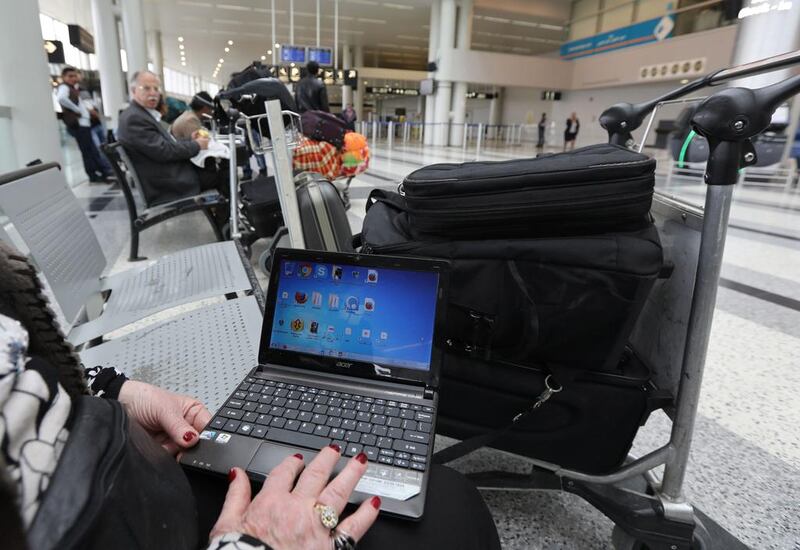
(143, 215)
(54, 228)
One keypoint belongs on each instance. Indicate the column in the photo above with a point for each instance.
(433, 54)
(135, 38)
(447, 36)
(752, 44)
(463, 40)
(347, 63)
(156, 51)
(358, 93)
(26, 90)
(495, 111)
(106, 44)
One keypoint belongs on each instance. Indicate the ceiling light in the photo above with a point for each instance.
(180, 39)
(221, 60)
(685, 81)
(525, 23)
(183, 63)
(277, 45)
(233, 7)
(269, 52)
(227, 50)
(263, 57)
(551, 27)
(180, 46)
(291, 64)
(496, 19)
(230, 42)
(398, 6)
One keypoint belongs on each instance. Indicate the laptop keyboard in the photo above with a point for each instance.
(388, 432)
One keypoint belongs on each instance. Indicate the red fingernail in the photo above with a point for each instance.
(231, 474)
(362, 458)
(376, 502)
(298, 456)
(188, 436)
(335, 447)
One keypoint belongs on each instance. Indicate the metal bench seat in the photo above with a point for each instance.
(54, 228)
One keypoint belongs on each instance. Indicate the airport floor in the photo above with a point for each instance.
(745, 460)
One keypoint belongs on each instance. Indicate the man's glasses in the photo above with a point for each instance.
(155, 89)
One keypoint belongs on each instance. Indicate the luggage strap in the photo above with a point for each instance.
(474, 443)
(392, 199)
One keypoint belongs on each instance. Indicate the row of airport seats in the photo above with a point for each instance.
(188, 321)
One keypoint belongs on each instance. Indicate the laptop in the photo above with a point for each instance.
(349, 354)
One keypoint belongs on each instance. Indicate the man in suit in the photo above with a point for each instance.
(161, 161)
(310, 93)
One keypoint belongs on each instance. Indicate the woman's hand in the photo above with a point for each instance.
(173, 420)
(283, 515)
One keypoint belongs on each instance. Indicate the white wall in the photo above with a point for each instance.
(478, 111)
(389, 104)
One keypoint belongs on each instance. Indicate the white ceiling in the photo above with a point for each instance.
(394, 33)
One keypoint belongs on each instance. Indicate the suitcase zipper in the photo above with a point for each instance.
(483, 214)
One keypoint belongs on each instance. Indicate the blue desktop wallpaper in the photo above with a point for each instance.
(376, 315)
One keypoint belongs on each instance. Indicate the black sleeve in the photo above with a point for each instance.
(147, 140)
(323, 99)
(105, 381)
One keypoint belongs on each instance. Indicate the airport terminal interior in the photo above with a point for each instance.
(158, 155)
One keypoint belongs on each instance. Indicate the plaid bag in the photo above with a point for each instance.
(317, 156)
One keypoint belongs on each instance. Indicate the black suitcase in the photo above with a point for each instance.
(589, 190)
(566, 302)
(589, 426)
(322, 214)
(261, 205)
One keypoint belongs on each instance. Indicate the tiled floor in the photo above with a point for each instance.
(745, 462)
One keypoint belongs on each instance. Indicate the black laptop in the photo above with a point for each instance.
(349, 355)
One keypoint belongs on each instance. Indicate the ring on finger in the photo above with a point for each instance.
(327, 515)
(342, 541)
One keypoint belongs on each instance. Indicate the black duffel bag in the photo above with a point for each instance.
(565, 301)
(599, 188)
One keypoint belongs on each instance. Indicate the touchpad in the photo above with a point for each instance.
(270, 455)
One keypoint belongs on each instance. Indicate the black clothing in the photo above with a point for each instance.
(570, 136)
(161, 162)
(311, 95)
(455, 515)
(96, 166)
(542, 128)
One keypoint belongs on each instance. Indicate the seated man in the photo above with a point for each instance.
(161, 161)
(192, 120)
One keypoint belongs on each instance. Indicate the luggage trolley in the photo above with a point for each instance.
(672, 333)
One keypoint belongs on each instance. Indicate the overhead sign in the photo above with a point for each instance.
(81, 38)
(54, 50)
(293, 54)
(652, 30)
(323, 56)
(387, 90)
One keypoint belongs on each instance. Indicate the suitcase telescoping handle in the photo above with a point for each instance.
(623, 118)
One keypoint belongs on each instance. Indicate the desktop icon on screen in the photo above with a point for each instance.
(314, 328)
(321, 272)
(300, 297)
(372, 276)
(369, 304)
(337, 273)
(316, 299)
(297, 325)
(351, 304)
(333, 301)
(306, 270)
(288, 269)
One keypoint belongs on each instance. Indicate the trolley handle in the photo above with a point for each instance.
(623, 118)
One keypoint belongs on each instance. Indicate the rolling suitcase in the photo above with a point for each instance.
(261, 205)
(322, 126)
(589, 190)
(322, 215)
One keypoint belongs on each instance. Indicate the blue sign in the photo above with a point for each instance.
(323, 56)
(651, 30)
(293, 54)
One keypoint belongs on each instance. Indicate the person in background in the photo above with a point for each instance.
(542, 127)
(163, 162)
(349, 117)
(78, 120)
(192, 120)
(311, 94)
(571, 131)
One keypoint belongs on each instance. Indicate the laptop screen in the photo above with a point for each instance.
(379, 315)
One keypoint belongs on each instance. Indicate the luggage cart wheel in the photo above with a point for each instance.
(701, 539)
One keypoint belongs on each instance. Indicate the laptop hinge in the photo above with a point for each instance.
(428, 393)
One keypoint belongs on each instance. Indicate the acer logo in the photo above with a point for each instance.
(344, 364)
